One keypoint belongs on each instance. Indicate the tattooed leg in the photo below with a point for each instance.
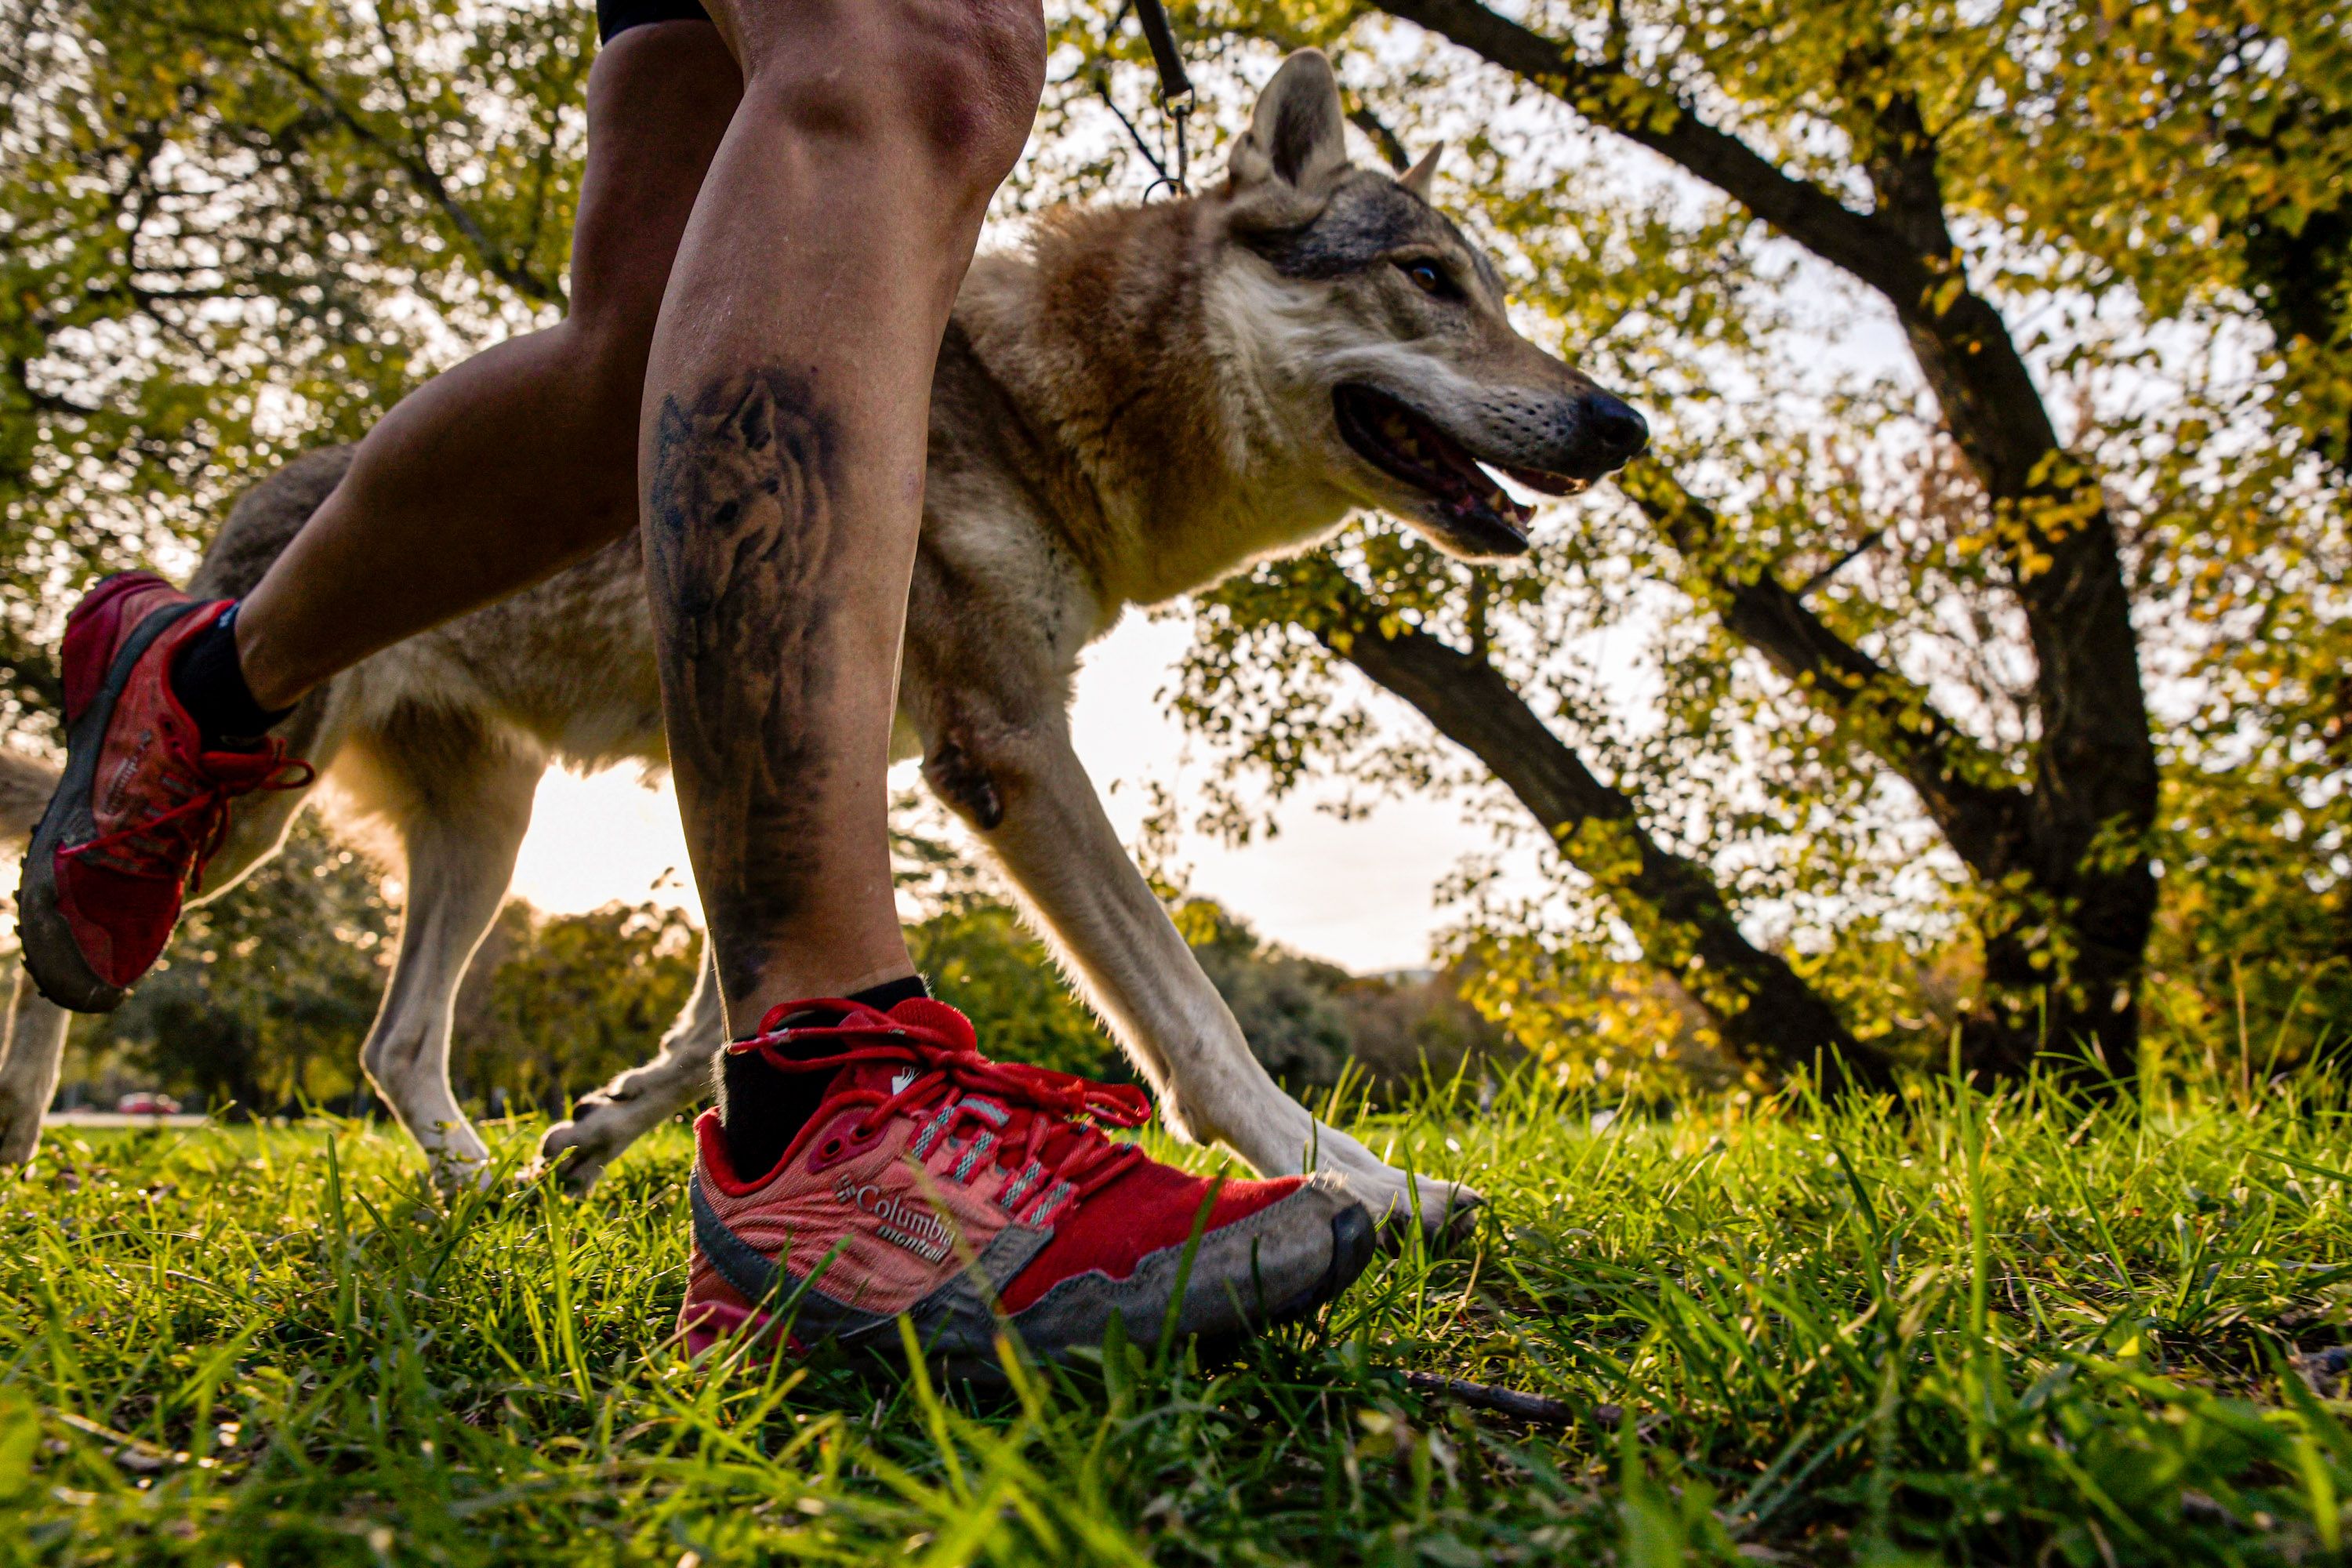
(744, 536)
(782, 452)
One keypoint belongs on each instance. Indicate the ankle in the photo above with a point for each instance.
(208, 680)
(762, 1108)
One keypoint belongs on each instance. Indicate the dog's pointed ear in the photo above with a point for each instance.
(1421, 175)
(674, 428)
(753, 420)
(1297, 133)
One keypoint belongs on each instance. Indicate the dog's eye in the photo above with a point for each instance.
(1430, 279)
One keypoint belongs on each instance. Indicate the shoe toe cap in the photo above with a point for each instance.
(120, 921)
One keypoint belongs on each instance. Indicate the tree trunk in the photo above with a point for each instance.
(2064, 954)
(1765, 1016)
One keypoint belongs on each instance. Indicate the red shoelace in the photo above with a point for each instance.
(176, 842)
(1046, 1126)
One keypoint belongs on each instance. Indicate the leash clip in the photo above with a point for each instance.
(1179, 111)
(1175, 90)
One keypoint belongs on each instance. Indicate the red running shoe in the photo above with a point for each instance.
(935, 1183)
(142, 804)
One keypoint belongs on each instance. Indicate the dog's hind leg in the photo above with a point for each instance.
(617, 1115)
(30, 1055)
(34, 1043)
(463, 824)
(1026, 789)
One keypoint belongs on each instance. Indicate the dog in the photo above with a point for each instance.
(1148, 399)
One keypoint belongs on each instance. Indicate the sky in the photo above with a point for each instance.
(1359, 893)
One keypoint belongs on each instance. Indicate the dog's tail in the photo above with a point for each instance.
(25, 785)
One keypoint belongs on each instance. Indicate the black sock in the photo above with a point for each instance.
(761, 1108)
(210, 684)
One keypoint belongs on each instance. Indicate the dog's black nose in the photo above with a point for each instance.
(1616, 429)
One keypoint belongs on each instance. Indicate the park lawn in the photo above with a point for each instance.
(2012, 1329)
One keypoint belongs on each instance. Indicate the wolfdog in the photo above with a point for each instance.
(1148, 399)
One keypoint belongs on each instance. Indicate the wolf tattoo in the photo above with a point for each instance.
(1148, 400)
(739, 546)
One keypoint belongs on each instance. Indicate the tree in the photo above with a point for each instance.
(232, 230)
(1945, 651)
(1912, 593)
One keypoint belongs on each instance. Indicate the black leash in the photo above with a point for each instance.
(1175, 87)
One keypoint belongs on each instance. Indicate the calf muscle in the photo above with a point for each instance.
(741, 534)
(782, 454)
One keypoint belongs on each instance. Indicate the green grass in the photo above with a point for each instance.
(2012, 1329)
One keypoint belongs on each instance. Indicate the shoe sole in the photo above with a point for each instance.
(51, 955)
(1354, 1241)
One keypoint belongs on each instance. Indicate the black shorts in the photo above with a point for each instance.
(614, 17)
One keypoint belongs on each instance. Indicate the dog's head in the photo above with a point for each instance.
(1378, 333)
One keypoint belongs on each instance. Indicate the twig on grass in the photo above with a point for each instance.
(1532, 1407)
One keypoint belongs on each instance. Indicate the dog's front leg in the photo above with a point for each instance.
(33, 1048)
(1030, 795)
(617, 1115)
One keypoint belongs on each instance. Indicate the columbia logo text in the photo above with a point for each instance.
(920, 1233)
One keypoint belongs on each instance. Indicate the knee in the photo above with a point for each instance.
(975, 79)
(954, 81)
(980, 771)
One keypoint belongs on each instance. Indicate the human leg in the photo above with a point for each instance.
(784, 458)
(783, 454)
(490, 476)
(516, 463)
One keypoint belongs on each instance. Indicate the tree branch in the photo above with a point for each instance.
(1612, 97)
(1392, 147)
(1764, 1013)
(1956, 780)
(1821, 579)
(419, 170)
(1102, 88)
(2095, 776)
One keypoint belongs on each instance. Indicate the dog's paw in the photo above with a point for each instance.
(20, 1129)
(601, 1125)
(1448, 1211)
(462, 1164)
(617, 1115)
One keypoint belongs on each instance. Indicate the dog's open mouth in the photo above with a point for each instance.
(1409, 447)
